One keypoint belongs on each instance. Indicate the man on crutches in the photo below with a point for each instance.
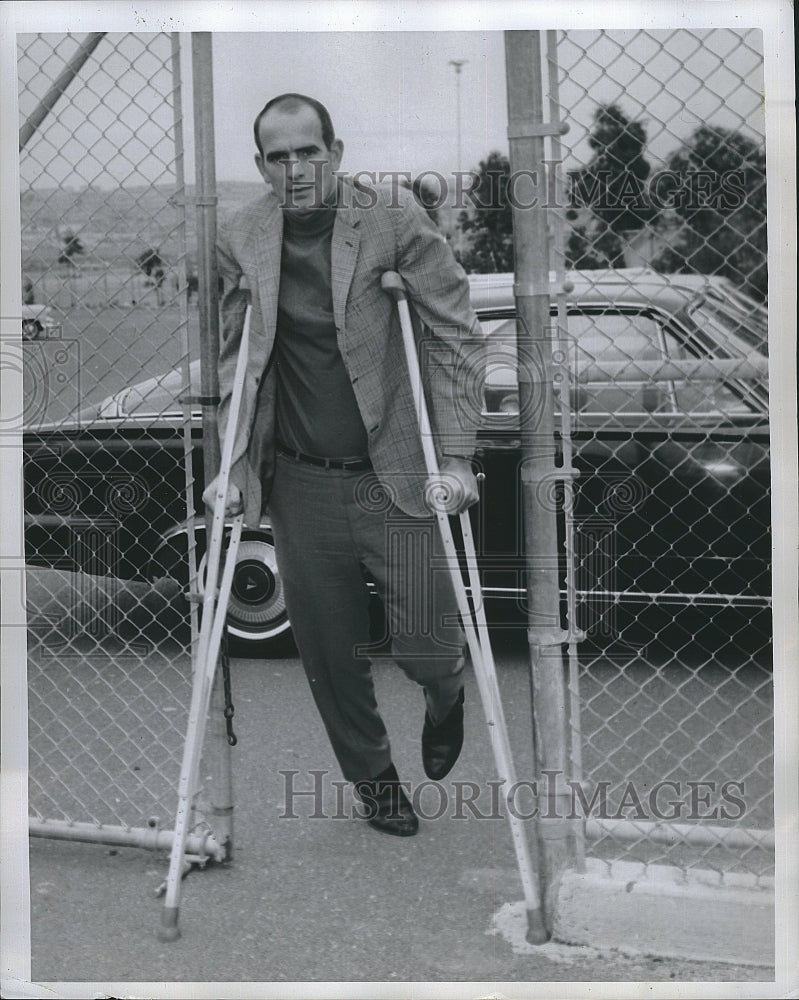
(328, 444)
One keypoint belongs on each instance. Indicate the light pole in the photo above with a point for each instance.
(458, 63)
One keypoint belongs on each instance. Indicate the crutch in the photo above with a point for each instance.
(213, 621)
(475, 626)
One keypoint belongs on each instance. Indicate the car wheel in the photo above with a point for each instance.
(257, 620)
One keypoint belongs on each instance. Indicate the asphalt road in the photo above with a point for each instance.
(98, 352)
(305, 898)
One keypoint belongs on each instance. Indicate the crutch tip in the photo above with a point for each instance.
(168, 929)
(536, 930)
(167, 934)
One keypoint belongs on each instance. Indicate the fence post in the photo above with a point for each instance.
(557, 225)
(65, 78)
(207, 299)
(183, 307)
(526, 131)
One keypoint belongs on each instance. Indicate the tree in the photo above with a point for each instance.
(613, 186)
(487, 225)
(715, 187)
(613, 183)
(591, 250)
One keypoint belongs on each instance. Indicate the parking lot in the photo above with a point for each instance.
(98, 351)
(682, 694)
(309, 898)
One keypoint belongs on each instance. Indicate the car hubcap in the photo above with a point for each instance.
(257, 606)
(253, 582)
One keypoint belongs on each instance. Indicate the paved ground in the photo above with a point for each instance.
(318, 900)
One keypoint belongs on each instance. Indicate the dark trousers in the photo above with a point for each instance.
(329, 525)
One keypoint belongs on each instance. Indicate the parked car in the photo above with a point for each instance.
(38, 321)
(667, 418)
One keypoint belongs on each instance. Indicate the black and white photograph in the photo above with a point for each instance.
(399, 500)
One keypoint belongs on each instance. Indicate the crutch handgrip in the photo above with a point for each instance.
(443, 494)
(393, 284)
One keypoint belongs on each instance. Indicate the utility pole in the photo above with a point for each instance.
(458, 64)
(526, 133)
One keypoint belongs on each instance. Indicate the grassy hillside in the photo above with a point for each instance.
(113, 225)
(114, 328)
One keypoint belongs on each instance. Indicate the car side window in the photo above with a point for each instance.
(606, 348)
(710, 397)
(717, 330)
(501, 388)
(617, 342)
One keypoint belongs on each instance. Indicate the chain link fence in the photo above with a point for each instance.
(106, 275)
(659, 247)
(656, 208)
(660, 352)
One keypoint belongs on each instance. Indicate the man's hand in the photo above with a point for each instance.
(456, 488)
(233, 501)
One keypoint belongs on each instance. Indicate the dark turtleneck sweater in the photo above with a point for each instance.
(317, 412)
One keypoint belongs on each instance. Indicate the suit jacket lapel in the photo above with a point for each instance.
(344, 255)
(268, 243)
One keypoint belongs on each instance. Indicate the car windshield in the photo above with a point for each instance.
(725, 316)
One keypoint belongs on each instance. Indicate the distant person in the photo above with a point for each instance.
(427, 198)
(71, 246)
(328, 414)
(152, 265)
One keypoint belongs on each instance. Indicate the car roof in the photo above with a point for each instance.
(488, 292)
(617, 287)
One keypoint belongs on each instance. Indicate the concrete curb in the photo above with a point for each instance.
(668, 912)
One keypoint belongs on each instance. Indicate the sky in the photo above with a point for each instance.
(393, 95)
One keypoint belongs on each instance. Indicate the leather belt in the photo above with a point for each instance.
(344, 464)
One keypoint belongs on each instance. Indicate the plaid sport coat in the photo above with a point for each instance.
(377, 229)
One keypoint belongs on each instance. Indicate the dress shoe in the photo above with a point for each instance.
(387, 807)
(441, 744)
